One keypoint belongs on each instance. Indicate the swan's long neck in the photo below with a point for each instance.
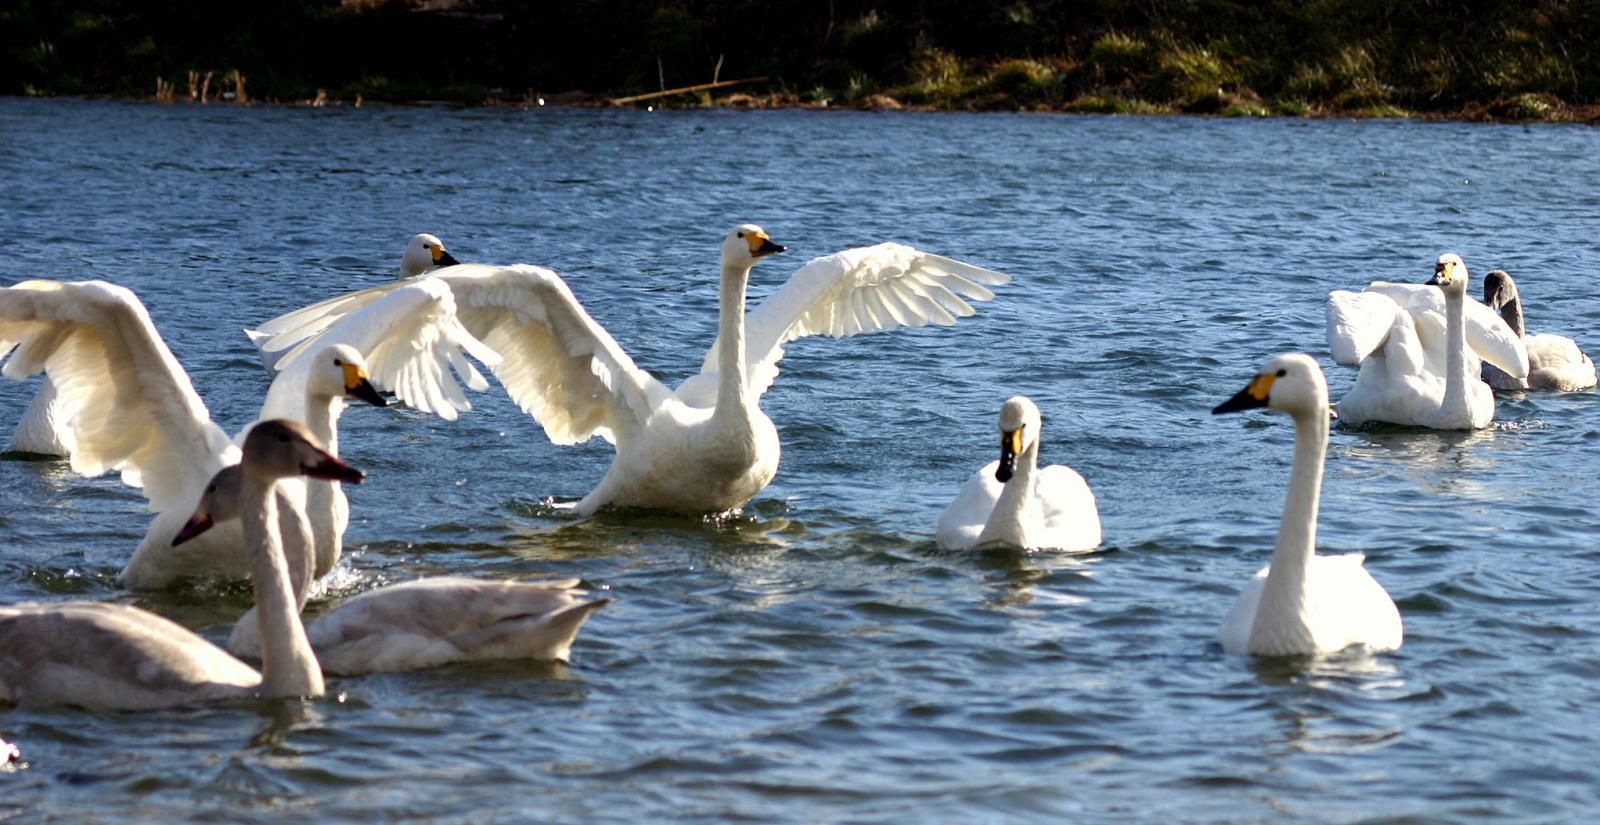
(1017, 509)
(288, 665)
(733, 392)
(1455, 365)
(1511, 313)
(1281, 623)
(322, 419)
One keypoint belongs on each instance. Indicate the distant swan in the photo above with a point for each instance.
(1412, 342)
(706, 447)
(1303, 603)
(132, 409)
(1554, 362)
(1014, 503)
(118, 657)
(416, 624)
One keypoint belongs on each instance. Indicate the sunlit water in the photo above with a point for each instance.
(817, 658)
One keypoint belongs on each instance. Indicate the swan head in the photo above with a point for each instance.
(423, 253)
(1450, 274)
(282, 449)
(1498, 289)
(218, 503)
(340, 372)
(1291, 383)
(1019, 430)
(746, 244)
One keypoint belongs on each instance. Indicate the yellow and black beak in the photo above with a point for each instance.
(357, 385)
(1253, 397)
(1441, 274)
(443, 258)
(762, 246)
(1010, 446)
(197, 524)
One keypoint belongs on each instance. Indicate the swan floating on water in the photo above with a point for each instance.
(1554, 362)
(416, 624)
(131, 408)
(1015, 503)
(1302, 603)
(1419, 347)
(118, 657)
(706, 447)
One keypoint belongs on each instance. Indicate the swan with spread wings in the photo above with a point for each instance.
(706, 446)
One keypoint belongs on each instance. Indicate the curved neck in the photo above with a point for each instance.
(288, 665)
(1017, 508)
(296, 541)
(1511, 313)
(1455, 365)
(1281, 623)
(322, 419)
(733, 392)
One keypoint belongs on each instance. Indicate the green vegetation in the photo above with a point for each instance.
(1503, 59)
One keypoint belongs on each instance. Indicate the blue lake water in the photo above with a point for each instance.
(818, 659)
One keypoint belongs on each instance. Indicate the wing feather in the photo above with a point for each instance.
(130, 405)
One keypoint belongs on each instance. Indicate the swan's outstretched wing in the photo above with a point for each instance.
(412, 341)
(280, 338)
(557, 363)
(1361, 322)
(858, 290)
(1487, 333)
(130, 404)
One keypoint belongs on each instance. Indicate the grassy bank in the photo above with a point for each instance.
(1513, 59)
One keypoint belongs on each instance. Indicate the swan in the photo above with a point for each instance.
(1419, 348)
(705, 447)
(133, 409)
(423, 253)
(416, 624)
(1554, 361)
(1014, 503)
(118, 657)
(1302, 603)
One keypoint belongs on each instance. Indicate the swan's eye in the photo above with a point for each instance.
(1282, 373)
(283, 439)
(741, 234)
(338, 363)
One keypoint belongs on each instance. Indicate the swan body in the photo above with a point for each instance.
(706, 446)
(1014, 503)
(118, 657)
(1554, 362)
(1419, 347)
(1301, 603)
(132, 409)
(423, 252)
(416, 624)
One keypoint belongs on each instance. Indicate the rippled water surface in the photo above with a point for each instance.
(817, 658)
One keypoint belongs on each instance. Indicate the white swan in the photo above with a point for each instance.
(416, 624)
(1554, 362)
(1015, 503)
(133, 409)
(1302, 603)
(423, 253)
(706, 447)
(1412, 342)
(118, 657)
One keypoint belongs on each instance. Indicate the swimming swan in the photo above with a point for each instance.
(1015, 503)
(1302, 603)
(1554, 361)
(706, 447)
(416, 624)
(133, 409)
(1412, 342)
(423, 253)
(118, 657)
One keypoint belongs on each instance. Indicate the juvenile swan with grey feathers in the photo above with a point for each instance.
(707, 446)
(1302, 603)
(1015, 503)
(1554, 361)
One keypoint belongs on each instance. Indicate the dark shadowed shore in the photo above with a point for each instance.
(1530, 60)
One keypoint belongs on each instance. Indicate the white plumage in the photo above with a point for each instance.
(1302, 603)
(1419, 348)
(129, 407)
(1014, 503)
(705, 447)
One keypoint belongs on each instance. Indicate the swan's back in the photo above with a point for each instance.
(1345, 606)
(1071, 515)
(109, 656)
